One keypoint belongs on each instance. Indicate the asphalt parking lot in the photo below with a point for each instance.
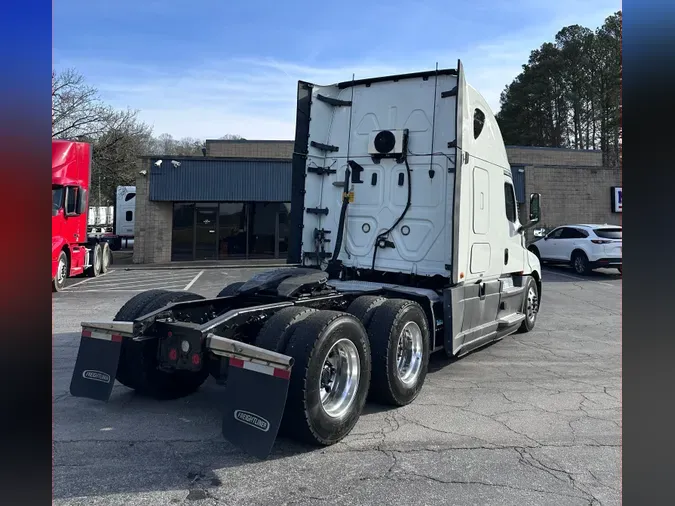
(534, 419)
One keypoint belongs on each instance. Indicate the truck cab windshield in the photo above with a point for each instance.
(57, 199)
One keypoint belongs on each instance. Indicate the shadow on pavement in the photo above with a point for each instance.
(567, 274)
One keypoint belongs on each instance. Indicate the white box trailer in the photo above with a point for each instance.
(100, 219)
(404, 219)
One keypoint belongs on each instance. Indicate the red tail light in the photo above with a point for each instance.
(196, 359)
(173, 354)
(600, 241)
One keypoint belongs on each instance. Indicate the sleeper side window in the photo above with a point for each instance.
(510, 198)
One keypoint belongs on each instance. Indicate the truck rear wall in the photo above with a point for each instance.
(423, 240)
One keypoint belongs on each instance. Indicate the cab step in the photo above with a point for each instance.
(510, 320)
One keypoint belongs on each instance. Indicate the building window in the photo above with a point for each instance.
(478, 122)
(510, 198)
(284, 228)
(183, 232)
(230, 230)
(263, 229)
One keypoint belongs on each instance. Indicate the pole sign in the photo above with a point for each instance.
(617, 199)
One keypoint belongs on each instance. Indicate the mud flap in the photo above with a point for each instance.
(96, 365)
(255, 398)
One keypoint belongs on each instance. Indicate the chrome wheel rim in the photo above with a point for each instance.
(61, 272)
(409, 353)
(532, 304)
(339, 380)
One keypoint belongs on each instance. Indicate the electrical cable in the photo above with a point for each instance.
(400, 218)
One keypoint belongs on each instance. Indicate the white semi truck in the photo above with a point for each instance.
(405, 222)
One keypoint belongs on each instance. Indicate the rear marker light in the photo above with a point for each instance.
(173, 354)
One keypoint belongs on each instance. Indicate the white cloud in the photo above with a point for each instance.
(255, 98)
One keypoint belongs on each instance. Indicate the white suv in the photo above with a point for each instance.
(585, 247)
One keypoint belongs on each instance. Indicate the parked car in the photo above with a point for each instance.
(584, 247)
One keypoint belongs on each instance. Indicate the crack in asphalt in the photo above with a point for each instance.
(490, 484)
(528, 459)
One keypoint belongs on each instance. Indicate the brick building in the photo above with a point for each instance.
(234, 203)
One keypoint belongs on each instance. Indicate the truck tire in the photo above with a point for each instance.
(106, 257)
(59, 281)
(133, 308)
(137, 368)
(277, 330)
(95, 268)
(230, 289)
(317, 415)
(399, 337)
(530, 306)
(364, 307)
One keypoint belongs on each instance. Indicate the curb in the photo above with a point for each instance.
(150, 267)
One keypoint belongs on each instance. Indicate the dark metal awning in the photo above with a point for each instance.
(220, 180)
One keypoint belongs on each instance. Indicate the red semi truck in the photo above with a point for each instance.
(74, 252)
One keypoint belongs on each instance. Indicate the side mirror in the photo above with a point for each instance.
(535, 212)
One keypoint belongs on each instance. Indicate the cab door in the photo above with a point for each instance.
(514, 250)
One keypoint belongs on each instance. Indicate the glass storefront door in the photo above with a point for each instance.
(230, 230)
(206, 231)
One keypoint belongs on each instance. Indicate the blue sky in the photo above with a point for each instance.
(206, 68)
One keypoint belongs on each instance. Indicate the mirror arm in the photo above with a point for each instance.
(527, 226)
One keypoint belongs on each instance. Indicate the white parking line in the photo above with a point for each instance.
(88, 279)
(556, 273)
(112, 283)
(109, 291)
(167, 285)
(123, 281)
(138, 277)
(193, 281)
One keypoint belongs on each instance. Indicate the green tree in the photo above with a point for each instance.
(568, 94)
